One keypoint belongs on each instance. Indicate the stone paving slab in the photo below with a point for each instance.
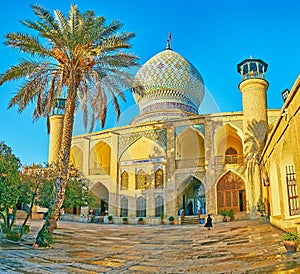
(234, 247)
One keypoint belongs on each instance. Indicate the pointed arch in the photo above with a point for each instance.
(76, 157)
(101, 194)
(231, 192)
(159, 178)
(100, 156)
(141, 181)
(124, 207)
(159, 205)
(124, 180)
(229, 144)
(190, 147)
(141, 206)
(143, 148)
(192, 196)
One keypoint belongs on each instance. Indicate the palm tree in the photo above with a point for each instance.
(77, 55)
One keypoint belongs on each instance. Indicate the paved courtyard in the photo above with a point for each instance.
(234, 247)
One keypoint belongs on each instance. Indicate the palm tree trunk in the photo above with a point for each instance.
(45, 235)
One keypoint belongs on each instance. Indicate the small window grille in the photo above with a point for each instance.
(292, 191)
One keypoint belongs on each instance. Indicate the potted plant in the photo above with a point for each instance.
(171, 220)
(261, 208)
(224, 213)
(291, 240)
(230, 216)
(110, 219)
(125, 220)
(162, 219)
(140, 220)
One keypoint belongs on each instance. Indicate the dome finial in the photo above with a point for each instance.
(169, 40)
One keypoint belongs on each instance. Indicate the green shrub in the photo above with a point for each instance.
(224, 212)
(291, 236)
(141, 219)
(45, 238)
(26, 229)
(231, 214)
(125, 219)
(171, 218)
(110, 218)
(13, 235)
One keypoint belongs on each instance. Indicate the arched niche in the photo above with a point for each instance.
(228, 137)
(101, 195)
(76, 157)
(100, 156)
(190, 144)
(141, 149)
(191, 196)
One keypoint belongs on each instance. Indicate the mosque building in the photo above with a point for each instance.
(171, 159)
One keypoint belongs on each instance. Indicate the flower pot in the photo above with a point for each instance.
(290, 246)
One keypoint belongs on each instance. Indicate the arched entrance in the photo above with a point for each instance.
(101, 195)
(192, 198)
(231, 193)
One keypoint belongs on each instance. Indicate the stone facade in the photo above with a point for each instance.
(280, 164)
(171, 159)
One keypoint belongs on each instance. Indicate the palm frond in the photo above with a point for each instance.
(26, 43)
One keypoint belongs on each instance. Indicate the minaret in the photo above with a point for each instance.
(56, 126)
(253, 88)
(255, 122)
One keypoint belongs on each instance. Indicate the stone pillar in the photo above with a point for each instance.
(114, 188)
(170, 184)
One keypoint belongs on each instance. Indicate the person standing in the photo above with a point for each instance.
(208, 222)
(190, 208)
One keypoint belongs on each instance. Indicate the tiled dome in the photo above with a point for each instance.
(168, 82)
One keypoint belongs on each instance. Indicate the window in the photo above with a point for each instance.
(141, 207)
(141, 180)
(124, 207)
(159, 178)
(124, 180)
(159, 206)
(292, 190)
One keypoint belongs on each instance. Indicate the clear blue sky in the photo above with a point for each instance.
(213, 35)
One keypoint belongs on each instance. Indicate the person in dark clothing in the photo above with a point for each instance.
(208, 222)
(190, 208)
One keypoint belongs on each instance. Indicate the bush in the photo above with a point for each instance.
(26, 229)
(141, 219)
(125, 219)
(224, 212)
(171, 218)
(13, 235)
(291, 236)
(110, 218)
(44, 238)
(231, 214)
